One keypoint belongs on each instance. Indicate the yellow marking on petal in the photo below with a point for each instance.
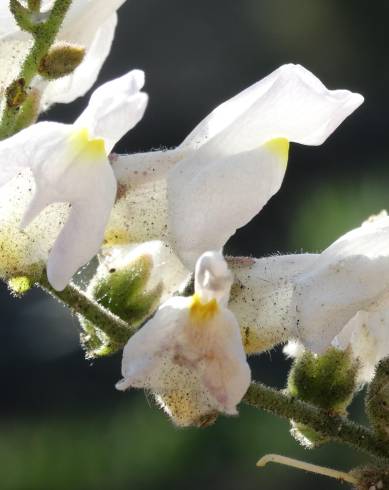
(201, 312)
(280, 147)
(81, 143)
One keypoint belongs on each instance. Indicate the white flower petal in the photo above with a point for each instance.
(290, 103)
(84, 19)
(190, 353)
(145, 350)
(210, 199)
(25, 252)
(139, 216)
(89, 23)
(262, 298)
(350, 275)
(67, 89)
(35, 144)
(142, 168)
(83, 233)
(213, 279)
(226, 374)
(366, 335)
(115, 108)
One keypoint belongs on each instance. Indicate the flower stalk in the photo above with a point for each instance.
(44, 35)
(80, 304)
(335, 428)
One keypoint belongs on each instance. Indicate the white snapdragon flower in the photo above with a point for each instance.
(89, 23)
(234, 161)
(190, 353)
(339, 297)
(351, 275)
(70, 164)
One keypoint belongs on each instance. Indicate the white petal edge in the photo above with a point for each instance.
(290, 103)
(114, 108)
(352, 274)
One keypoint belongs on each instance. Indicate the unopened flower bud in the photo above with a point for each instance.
(123, 291)
(60, 61)
(327, 381)
(377, 400)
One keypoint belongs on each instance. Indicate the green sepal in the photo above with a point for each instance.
(327, 381)
(95, 342)
(306, 436)
(377, 400)
(124, 292)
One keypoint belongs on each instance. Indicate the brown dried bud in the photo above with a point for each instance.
(60, 61)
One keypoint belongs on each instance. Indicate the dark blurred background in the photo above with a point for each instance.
(62, 423)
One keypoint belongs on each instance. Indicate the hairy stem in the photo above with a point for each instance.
(44, 36)
(79, 303)
(336, 428)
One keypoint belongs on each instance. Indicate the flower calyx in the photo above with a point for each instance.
(327, 381)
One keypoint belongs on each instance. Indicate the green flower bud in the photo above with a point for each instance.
(124, 292)
(61, 60)
(377, 400)
(371, 477)
(327, 381)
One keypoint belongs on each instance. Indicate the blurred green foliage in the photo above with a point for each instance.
(133, 445)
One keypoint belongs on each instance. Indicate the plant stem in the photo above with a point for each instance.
(336, 428)
(44, 36)
(79, 303)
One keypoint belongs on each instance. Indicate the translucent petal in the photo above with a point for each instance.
(213, 357)
(262, 298)
(31, 147)
(140, 168)
(140, 215)
(350, 275)
(210, 198)
(290, 103)
(83, 233)
(115, 108)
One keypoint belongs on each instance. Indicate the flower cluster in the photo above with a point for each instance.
(155, 218)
